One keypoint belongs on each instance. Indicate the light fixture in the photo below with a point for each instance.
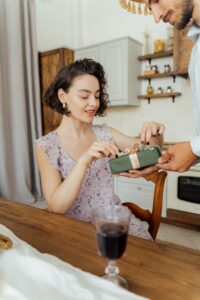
(135, 6)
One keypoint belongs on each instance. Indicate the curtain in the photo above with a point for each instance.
(20, 116)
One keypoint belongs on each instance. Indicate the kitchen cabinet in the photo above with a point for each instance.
(119, 59)
(138, 191)
(182, 51)
(50, 62)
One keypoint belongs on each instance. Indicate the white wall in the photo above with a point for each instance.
(59, 24)
(78, 23)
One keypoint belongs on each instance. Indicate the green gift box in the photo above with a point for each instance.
(133, 161)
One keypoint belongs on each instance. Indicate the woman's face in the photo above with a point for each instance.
(82, 98)
(175, 12)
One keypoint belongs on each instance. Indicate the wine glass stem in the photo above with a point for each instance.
(111, 269)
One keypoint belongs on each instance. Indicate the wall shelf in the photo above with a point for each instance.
(149, 57)
(158, 75)
(157, 96)
(155, 55)
(162, 75)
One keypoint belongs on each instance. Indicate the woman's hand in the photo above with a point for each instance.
(151, 130)
(97, 150)
(133, 149)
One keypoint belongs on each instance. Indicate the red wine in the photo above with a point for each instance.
(111, 239)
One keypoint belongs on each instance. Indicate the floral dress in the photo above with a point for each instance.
(98, 185)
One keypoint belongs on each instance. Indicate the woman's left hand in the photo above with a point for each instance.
(149, 130)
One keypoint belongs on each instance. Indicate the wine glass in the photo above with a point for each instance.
(111, 223)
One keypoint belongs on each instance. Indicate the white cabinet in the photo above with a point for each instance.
(138, 191)
(119, 59)
(91, 52)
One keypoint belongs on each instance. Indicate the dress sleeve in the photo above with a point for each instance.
(49, 145)
(103, 132)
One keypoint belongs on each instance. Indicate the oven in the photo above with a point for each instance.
(183, 190)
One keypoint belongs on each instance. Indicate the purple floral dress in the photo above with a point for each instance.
(98, 185)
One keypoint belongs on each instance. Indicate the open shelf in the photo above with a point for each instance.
(162, 75)
(173, 74)
(162, 95)
(155, 55)
(158, 75)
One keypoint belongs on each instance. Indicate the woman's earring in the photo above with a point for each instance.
(66, 112)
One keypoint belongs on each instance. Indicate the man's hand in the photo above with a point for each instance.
(178, 157)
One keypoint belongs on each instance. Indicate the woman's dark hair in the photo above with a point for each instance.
(64, 80)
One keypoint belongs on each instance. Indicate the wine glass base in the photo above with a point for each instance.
(118, 280)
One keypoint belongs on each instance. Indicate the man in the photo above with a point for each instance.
(179, 13)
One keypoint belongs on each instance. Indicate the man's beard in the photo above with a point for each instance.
(186, 16)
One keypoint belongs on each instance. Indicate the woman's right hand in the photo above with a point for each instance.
(97, 150)
(149, 130)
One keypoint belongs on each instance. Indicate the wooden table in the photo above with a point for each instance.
(153, 270)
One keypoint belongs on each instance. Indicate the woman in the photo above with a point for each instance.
(73, 159)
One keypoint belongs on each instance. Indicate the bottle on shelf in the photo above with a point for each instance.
(149, 90)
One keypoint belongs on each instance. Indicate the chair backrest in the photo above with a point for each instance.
(153, 218)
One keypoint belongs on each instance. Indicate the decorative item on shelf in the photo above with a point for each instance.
(149, 90)
(169, 89)
(135, 6)
(169, 41)
(154, 68)
(159, 90)
(146, 40)
(167, 68)
(159, 46)
(148, 70)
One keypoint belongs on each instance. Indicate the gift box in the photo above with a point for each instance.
(133, 161)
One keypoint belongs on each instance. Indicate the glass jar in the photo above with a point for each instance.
(159, 46)
(154, 68)
(147, 70)
(169, 89)
(167, 68)
(159, 90)
(149, 90)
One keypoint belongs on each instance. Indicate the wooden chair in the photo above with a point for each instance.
(152, 218)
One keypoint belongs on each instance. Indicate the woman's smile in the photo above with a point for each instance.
(91, 112)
